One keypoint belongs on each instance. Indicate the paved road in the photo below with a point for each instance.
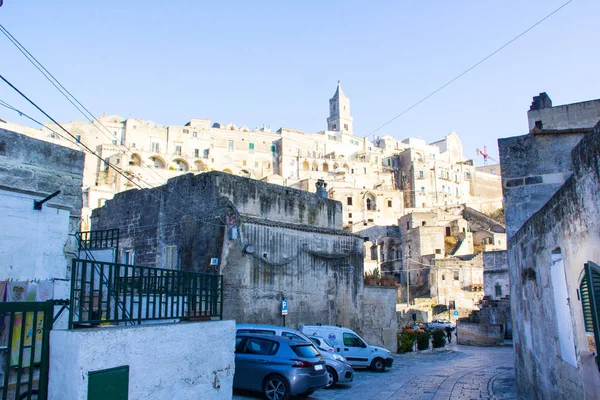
(462, 372)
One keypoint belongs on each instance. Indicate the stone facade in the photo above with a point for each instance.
(272, 243)
(496, 279)
(546, 255)
(31, 170)
(542, 116)
(529, 176)
(473, 334)
(354, 167)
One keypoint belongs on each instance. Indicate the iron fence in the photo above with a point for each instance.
(110, 293)
(24, 352)
(96, 240)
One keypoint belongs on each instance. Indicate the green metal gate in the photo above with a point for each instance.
(24, 349)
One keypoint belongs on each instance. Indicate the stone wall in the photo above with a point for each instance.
(319, 273)
(167, 361)
(569, 116)
(378, 324)
(32, 169)
(530, 176)
(292, 254)
(546, 258)
(473, 334)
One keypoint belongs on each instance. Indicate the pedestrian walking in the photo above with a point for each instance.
(448, 333)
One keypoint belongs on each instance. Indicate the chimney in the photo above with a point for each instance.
(321, 189)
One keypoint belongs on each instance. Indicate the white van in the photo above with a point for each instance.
(347, 343)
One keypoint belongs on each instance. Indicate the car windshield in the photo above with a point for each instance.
(305, 350)
(256, 331)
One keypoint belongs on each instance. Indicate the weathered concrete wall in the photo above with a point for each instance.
(32, 169)
(379, 324)
(472, 334)
(569, 116)
(170, 361)
(530, 176)
(196, 206)
(496, 312)
(546, 258)
(319, 270)
(495, 272)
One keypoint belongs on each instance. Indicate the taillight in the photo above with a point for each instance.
(302, 364)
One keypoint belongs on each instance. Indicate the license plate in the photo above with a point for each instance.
(318, 367)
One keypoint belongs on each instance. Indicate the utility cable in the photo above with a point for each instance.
(469, 69)
(76, 142)
(72, 99)
(67, 132)
(6, 105)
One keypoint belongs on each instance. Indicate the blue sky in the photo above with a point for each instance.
(278, 63)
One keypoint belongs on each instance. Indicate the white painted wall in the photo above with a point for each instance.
(32, 241)
(563, 310)
(169, 361)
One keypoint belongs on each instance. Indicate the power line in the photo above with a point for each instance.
(6, 105)
(470, 68)
(76, 142)
(70, 98)
(67, 132)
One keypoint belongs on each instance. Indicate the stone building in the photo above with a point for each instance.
(269, 242)
(438, 174)
(496, 278)
(553, 249)
(529, 176)
(363, 174)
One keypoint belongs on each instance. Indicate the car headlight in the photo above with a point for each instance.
(339, 358)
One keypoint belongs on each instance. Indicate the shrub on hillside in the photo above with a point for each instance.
(423, 340)
(438, 338)
(406, 341)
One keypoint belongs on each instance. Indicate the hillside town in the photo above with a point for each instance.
(218, 260)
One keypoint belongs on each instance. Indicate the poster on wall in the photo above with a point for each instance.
(30, 331)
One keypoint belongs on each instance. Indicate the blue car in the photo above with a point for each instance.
(277, 366)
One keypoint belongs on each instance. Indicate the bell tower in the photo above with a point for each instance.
(339, 113)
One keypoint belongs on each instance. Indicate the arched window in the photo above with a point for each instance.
(325, 167)
(371, 205)
(305, 165)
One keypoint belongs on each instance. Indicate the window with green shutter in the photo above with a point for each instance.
(589, 292)
(251, 147)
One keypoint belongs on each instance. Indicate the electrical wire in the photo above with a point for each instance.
(67, 132)
(72, 99)
(469, 69)
(5, 104)
(76, 142)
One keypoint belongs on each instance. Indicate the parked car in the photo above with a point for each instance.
(338, 368)
(277, 366)
(321, 343)
(347, 343)
(440, 323)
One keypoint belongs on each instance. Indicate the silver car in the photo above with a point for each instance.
(277, 366)
(338, 369)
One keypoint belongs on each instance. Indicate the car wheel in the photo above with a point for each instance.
(378, 365)
(276, 388)
(331, 377)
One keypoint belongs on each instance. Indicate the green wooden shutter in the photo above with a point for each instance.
(590, 300)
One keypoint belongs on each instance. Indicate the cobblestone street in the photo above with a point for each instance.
(462, 372)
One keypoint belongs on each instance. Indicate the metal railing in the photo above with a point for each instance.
(109, 293)
(96, 240)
